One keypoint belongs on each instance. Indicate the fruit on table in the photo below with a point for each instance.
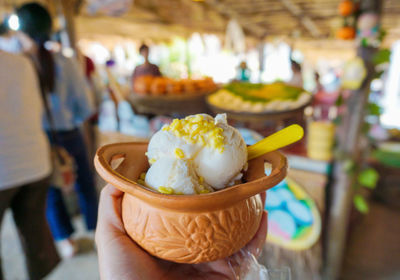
(173, 86)
(142, 84)
(248, 97)
(158, 86)
(149, 85)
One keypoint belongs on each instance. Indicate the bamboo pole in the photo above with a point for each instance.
(68, 11)
(342, 192)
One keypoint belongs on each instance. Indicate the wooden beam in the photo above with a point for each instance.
(255, 29)
(304, 19)
(187, 13)
(66, 9)
(261, 10)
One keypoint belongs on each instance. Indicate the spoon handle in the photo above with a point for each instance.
(282, 138)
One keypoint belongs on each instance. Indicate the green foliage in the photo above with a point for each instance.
(360, 204)
(365, 128)
(364, 42)
(382, 56)
(388, 158)
(339, 101)
(374, 109)
(368, 178)
(378, 74)
(382, 34)
(348, 165)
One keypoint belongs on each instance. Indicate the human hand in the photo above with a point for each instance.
(121, 258)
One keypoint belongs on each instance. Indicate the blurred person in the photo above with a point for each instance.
(12, 41)
(121, 258)
(62, 82)
(318, 86)
(25, 164)
(297, 78)
(8, 42)
(147, 68)
(243, 74)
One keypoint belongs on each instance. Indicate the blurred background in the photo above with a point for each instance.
(118, 70)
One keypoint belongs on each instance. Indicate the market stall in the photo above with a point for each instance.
(267, 106)
(329, 66)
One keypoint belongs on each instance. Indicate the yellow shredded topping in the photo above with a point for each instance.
(202, 189)
(165, 190)
(196, 129)
(201, 180)
(152, 160)
(143, 176)
(141, 182)
(179, 154)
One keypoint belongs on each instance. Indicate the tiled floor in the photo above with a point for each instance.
(81, 267)
(373, 252)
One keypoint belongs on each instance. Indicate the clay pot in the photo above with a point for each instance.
(188, 228)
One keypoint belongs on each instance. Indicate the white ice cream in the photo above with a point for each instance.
(176, 174)
(191, 165)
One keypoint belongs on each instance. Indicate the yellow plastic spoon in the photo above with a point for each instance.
(282, 138)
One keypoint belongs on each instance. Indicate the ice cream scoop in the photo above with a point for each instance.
(213, 151)
(176, 176)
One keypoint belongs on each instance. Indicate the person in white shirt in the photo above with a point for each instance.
(25, 164)
(70, 104)
(297, 78)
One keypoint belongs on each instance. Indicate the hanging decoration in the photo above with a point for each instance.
(346, 33)
(354, 73)
(348, 10)
(368, 31)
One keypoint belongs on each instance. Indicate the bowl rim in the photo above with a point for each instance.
(257, 181)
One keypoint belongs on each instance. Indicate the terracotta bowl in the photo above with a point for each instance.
(188, 228)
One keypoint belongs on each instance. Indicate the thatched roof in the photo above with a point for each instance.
(312, 19)
(260, 19)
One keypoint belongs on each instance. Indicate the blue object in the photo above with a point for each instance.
(250, 136)
(284, 220)
(300, 212)
(56, 212)
(285, 194)
(130, 123)
(108, 116)
(273, 201)
(282, 184)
